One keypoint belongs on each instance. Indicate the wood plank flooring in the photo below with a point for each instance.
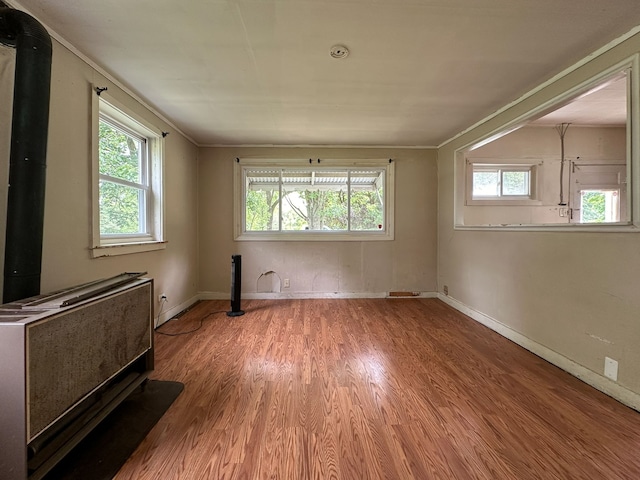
(372, 389)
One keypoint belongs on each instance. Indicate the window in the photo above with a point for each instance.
(330, 201)
(127, 180)
(500, 181)
(599, 206)
(124, 183)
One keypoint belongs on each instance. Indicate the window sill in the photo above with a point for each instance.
(564, 227)
(504, 202)
(126, 248)
(314, 237)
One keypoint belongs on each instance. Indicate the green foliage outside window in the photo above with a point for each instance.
(367, 210)
(317, 209)
(498, 182)
(121, 204)
(262, 210)
(515, 183)
(593, 207)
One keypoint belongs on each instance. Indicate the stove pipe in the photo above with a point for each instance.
(29, 129)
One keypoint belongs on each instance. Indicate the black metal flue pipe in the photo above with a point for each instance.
(27, 173)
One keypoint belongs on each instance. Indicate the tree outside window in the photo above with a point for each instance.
(321, 200)
(122, 192)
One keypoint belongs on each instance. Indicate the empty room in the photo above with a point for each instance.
(320, 239)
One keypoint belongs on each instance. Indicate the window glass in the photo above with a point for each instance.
(121, 153)
(494, 181)
(262, 212)
(324, 200)
(123, 188)
(314, 200)
(515, 183)
(599, 206)
(486, 183)
(367, 200)
(121, 209)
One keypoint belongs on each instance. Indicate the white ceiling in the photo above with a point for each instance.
(605, 105)
(259, 71)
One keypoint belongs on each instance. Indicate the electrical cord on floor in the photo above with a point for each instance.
(202, 319)
(162, 302)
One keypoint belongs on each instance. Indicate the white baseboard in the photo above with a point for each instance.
(165, 315)
(599, 382)
(308, 295)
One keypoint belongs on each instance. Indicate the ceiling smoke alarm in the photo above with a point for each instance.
(339, 51)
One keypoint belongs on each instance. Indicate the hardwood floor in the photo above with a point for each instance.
(372, 389)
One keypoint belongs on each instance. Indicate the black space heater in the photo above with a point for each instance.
(236, 284)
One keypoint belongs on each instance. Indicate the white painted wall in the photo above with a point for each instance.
(67, 225)
(575, 294)
(407, 263)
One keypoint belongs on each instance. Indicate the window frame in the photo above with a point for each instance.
(509, 166)
(107, 108)
(243, 165)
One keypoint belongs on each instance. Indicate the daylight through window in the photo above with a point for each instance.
(127, 176)
(124, 182)
(322, 200)
(497, 181)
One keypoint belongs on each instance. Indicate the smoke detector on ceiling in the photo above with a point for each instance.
(339, 51)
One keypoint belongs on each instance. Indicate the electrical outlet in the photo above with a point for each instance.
(162, 297)
(286, 283)
(611, 368)
(445, 289)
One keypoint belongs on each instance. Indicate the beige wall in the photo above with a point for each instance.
(574, 293)
(407, 263)
(67, 226)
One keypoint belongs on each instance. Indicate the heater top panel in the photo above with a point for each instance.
(41, 306)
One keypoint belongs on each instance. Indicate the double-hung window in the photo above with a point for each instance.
(124, 180)
(127, 181)
(326, 200)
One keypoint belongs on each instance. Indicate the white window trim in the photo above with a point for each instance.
(508, 165)
(239, 202)
(111, 245)
(632, 63)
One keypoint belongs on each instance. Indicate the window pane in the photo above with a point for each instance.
(367, 200)
(262, 210)
(515, 183)
(314, 200)
(485, 184)
(599, 206)
(121, 209)
(120, 154)
(262, 201)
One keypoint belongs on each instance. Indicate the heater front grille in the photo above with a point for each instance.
(69, 354)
